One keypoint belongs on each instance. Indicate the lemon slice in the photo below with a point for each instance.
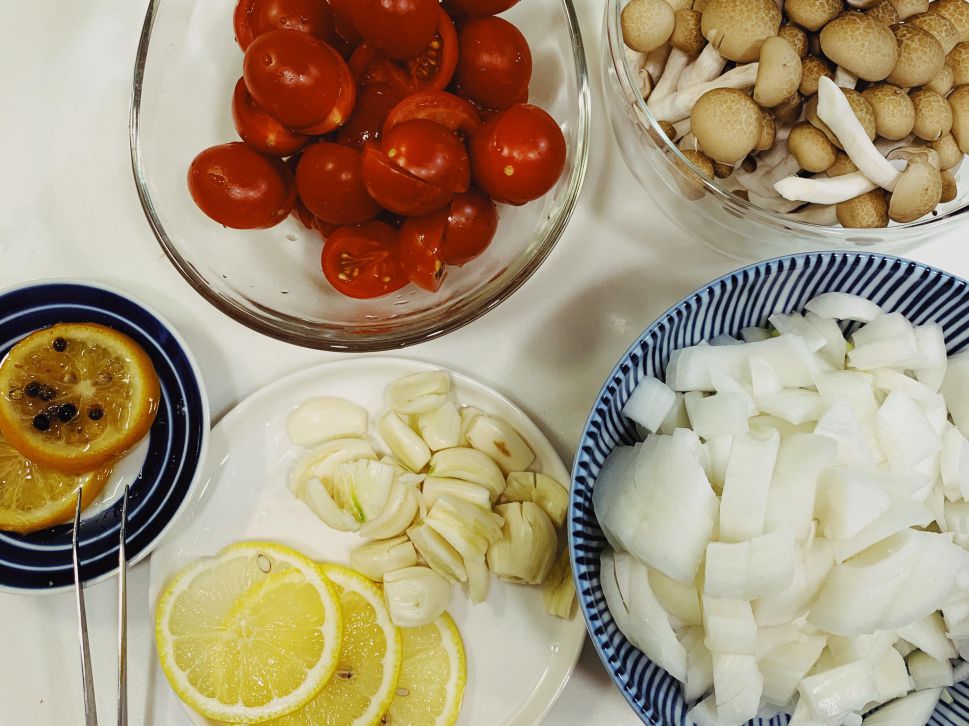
(249, 635)
(363, 685)
(76, 396)
(33, 498)
(432, 676)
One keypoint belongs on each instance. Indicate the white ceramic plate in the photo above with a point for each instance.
(519, 657)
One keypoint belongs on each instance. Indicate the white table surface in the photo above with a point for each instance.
(68, 208)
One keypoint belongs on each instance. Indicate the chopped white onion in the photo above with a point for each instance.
(650, 403)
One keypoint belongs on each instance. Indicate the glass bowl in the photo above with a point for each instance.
(709, 211)
(270, 280)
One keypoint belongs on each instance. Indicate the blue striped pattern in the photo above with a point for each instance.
(738, 300)
(42, 560)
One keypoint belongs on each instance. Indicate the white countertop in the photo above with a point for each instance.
(68, 209)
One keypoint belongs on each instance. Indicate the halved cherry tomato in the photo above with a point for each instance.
(518, 155)
(396, 189)
(295, 77)
(400, 29)
(430, 152)
(446, 109)
(494, 63)
(472, 223)
(422, 249)
(252, 18)
(343, 21)
(362, 262)
(346, 99)
(330, 184)
(374, 102)
(260, 130)
(240, 188)
(468, 9)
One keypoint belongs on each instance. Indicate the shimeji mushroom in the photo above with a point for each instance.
(636, 61)
(812, 68)
(727, 124)
(860, 44)
(825, 191)
(774, 203)
(789, 110)
(676, 63)
(842, 165)
(859, 106)
(908, 8)
(647, 24)
(920, 57)
(933, 117)
(958, 62)
(942, 83)
(812, 14)
(916, 192)
(796, 37)
(884, 13)
(678, 105)
(862, 4)
(689, 185)
(959, 103)
(777, 153)
(825, 214)
(921, 153)
(947, 148)
(779, 74)
(722, 171)
(737, 28)
(762, 180)
(845, 79)
(656, 62)
(707, 66)
(811, 148)
(949, 187)
(701, 161)
(768, 132)
(957, 11)
(894, 110)
(686, 34)
(866, 211)
(939, 26)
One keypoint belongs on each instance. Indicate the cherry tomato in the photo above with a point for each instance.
(446, 109)
(468, 9)
(472, 223)
(422, 249)
(400, 29)
(430, 152)
(343, 21)
(398, 190)
(330, 184)
(252, 18)
(494, 63)
(374, 102)
(260, 130)
(240, 188)
(296, 78)
(303, 215)
(518, 155)
(362, 262)
(346, 99)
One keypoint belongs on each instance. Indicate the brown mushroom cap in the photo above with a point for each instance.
(789, 111)
(920, 153)
(778, 73)
(811, 148)
(701, 161)
(917, 191)
(939, 26)
(737, 28)
(796, 37)
(947, 148)
(959, 103)
(860, 45)
(647, 24)
(726, 123)
(908, 8)
(812, 14)
(933, 117)
(686, 32)
(768, 131)
(863, 112)
(699, 164)
(956, 11)
(894, 110)
(942, 83)
(884, 13)
(681, 5)
(958, 62)
(920, 57)
(722, 171)
(668, 132)
(842, 165)
(868, 211)
(950, 189)
(812, 68)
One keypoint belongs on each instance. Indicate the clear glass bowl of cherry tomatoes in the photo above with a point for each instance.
(359, 174)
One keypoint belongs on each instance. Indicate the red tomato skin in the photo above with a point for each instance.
(362, 262)
(397, 190)
(472, 224)
(343, 21)
(422, 249)
(346, 99)
(293, 76)
(518, 155)
(494, 63)
(304, 216)
(260, 130)
(240, 188)
(446, 109)
(430, 152)
(252, 18)
(400, 29)
(330, 183)
(374, 102)
(469, 9)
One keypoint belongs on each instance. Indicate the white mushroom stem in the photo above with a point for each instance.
(675, 65)
(656, 61)
(762, 181)
(778, 152)
(678, 105)
(636, 61)
(887, 146)
(773, 203)
(707, 66)
(825, 190)
(826, 214)
(688, 142)
(682, 127)
(845, 79)
(836, 112)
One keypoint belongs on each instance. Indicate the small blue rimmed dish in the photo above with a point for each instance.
(738, 300)
(161, 471)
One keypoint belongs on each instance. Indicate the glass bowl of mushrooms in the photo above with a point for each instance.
(822, 125)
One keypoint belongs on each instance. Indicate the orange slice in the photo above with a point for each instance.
(76, 396)
(33, 498)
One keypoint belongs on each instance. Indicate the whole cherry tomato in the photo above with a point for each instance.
(252, 18)
(240, 188)
(430, 152)
(303, 215)
(343, 21)
(494, 63)
(260, 130)
(374, 102)
(329, 182)
(362, 262)
(422, 249)
(400, 29)
(468, 9)
(398, 190)
(518, 155)
(446, 109)
(297, 79)
(472, 223)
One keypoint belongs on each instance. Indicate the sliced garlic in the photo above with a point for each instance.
(436, 487)
(407, 447)
(416, 596)
(526, 551)
(373, 559)
(558, 590)
(441, 427)
(362, 488)
(479, 581)
(321, 462)
(469, 465)
(398, 514)
(419, 393)
(527, 486)
(325, 418)
(467, 528)
(314, 494)
(437, 553)
(495, 437)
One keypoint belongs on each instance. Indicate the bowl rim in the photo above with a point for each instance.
(648, 124)
(644, 712)
(459, 313)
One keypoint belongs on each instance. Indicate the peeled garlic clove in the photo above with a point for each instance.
(314, 494)
(495, 437)
(467, 528)
(526, 551)
(321, 462)
(527, 486)
(403, 474)
(325, 418)
(436, 487)
(479, 581)
(373, 559)
(469, 465)
(558, 590)
(437, 553)
(407, 447)
(398, 514)
(362, 488)
(468, 415)
(416, 596)
(441, 428)
(419, 393)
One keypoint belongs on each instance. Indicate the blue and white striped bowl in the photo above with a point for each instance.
(742, 298)
(41, 561)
